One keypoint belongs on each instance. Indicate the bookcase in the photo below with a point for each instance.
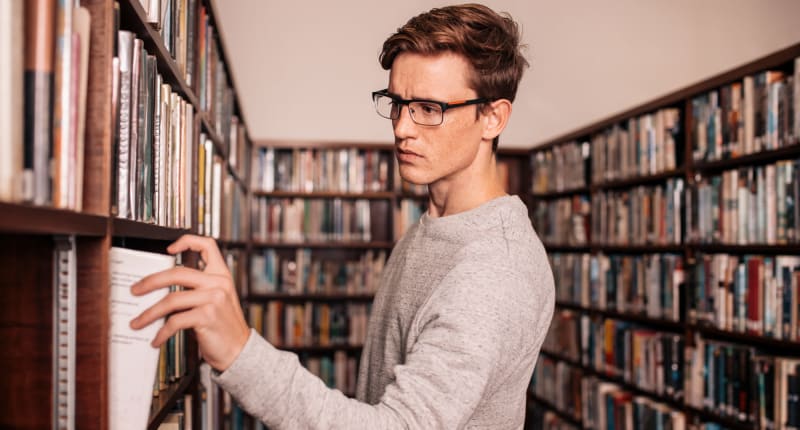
(672, 233)
(54, 259)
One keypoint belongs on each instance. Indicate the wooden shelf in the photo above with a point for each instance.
(167, 399)
(413, 196)
(551, 407)
(662, 324)
(790, 249)
(319, 349)
(567, 248)
(373, 195)
(639, 249)
(323, 245)
(773, 346)
(232, 243)
(559, 357)
(788, 152)
(547, 195)
(28, 219)
(140, 230)
(311, 297)
(639, 180)
(727, 423)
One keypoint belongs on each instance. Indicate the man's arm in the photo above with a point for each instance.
(478, 323)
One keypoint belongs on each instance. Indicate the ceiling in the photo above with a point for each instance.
(304, 70)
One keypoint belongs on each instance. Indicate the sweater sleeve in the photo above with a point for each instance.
(477, 323)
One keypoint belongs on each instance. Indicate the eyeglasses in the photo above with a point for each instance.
(423, 112)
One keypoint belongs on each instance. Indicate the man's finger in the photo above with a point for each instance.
(183, 276)
(179, 321)
(173, 302)
(206, 246)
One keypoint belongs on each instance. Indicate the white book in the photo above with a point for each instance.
(133, 361)
(11, 101)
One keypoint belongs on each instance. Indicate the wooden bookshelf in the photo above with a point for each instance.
(566, 416)
(324, 245)
(27, 219)
(639, 180)
(319, 349)
(303, 297)
(559, 194)
(28, 232)
(370, 195)
(689, 171)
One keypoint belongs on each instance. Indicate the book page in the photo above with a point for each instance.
(133, 361)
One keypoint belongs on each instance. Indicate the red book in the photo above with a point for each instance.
(754, 296)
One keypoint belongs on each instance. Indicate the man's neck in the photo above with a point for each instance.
(465, 190)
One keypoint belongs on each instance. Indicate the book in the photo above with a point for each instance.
(11, 85)
(39, 50)
(132, 360)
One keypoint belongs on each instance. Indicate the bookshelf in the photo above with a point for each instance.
(707, 221)
(318, 174)
(204, 114)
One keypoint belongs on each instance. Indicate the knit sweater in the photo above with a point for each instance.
(464, 304)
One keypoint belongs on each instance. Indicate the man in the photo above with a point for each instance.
(467, 294)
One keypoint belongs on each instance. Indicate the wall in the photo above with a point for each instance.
(305, 70)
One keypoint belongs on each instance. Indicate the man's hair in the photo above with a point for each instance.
(490, 42)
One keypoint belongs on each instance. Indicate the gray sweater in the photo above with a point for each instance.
(464, 305)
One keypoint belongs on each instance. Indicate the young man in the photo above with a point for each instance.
(467, 295)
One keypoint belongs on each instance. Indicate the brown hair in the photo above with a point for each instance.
(490, 42)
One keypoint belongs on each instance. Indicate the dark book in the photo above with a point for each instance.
(40, 35)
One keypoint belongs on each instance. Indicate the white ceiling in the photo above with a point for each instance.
(304, 70)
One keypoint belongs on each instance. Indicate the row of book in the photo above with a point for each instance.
(648, 359)
(607, 405)
(171, 362)
(599, 404)
(287, 325)
(760, 112)
(564, 334)
(191, 40)
(744, 384)
(563, 221)
(751, 205)
(539, 417)
(733, 381)
(300, 219)
(303, 272)
(347, 170)
(215, 95)
(646, 145)
(154, 140)
(753, 294)
(236, 259)
(407, 213)
(647, 284)
(176, 22)
(44, 67)
(559, 383)
(643, 215)
(561, 168)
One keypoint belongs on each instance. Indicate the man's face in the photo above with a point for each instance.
(427, 154)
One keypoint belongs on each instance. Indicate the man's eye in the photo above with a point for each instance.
(428, 108)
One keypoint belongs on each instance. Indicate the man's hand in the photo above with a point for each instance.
(209, 305)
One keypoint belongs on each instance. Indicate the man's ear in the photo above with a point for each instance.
(495, 117)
